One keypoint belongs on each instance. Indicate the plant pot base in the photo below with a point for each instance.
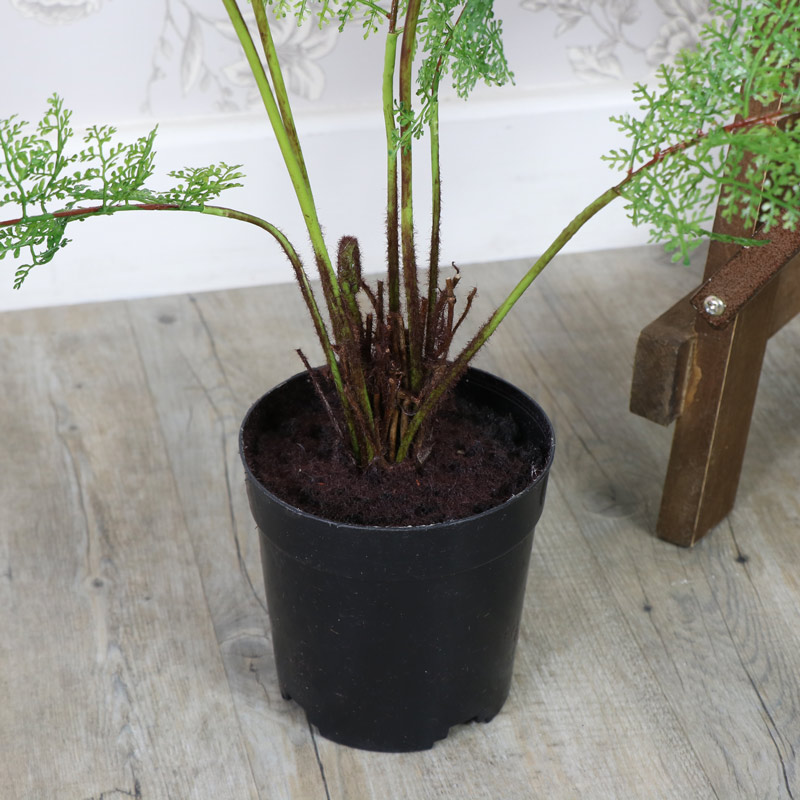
(422, 739)
(388, 637)
(392, 665)
(421, 742)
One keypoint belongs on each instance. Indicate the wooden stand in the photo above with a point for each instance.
(699, 363)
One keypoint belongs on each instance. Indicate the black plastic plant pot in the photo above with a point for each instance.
(388, 637)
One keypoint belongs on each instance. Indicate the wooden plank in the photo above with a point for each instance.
(206, 359)
(112, 680)
(711, 434)
(739, 280)
(662, 367)
(663, 363)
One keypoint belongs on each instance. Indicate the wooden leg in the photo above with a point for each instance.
(662, 365)
(711, 433)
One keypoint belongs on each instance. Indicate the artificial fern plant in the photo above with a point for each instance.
(720, 125)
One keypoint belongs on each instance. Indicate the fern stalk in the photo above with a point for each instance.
(282, 122)
(392, 211)
(413, 322)
(456, 369)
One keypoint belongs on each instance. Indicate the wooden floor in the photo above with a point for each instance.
(135, 655)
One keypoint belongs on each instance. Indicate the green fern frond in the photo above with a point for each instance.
(50, 187)
(713, 130)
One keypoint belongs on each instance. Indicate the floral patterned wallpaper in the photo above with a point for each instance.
(189, 37)
(57, 12)
(609, 31)
(193, 64)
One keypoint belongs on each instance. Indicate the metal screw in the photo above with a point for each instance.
(714, 306)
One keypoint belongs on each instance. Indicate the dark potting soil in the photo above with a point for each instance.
(477, 461)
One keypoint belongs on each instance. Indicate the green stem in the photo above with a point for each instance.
(59, 161)
(455, 370)
(281, 120)
(282, 96)
(295, 167)
(13, 172)
(415, 332)
(436, 216)
(436, 188)
(297, 265)
(311, 304)
(392, 219)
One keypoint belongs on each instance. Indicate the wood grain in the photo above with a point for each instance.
(662, 367)
(135, 656)
(106, 635)
(665, 351)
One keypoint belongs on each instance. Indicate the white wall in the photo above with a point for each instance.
(517, 162)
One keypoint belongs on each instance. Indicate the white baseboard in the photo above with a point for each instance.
(514, 173)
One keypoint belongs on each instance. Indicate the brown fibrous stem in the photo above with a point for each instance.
(773, 119)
